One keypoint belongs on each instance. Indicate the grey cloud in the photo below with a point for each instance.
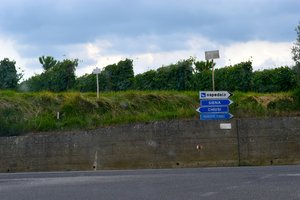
(47, 24)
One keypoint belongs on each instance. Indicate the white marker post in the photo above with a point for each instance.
(97, 71)
(211, 55)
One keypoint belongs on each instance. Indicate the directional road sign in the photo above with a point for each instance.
(214, 94)
(216, 102)
(215, 109)
(214, 116)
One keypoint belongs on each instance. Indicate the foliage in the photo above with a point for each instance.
(274, 80)
(177, 76)
(296, 70)
(9, 77)
(47, 62)
(116, 77)
(21, 113)
(296, 97)
(296, 48)
(203, 80)
(202, 66)
(86, 83)
(145, 81)
(119, 77)
(234, 78)
(58, 78)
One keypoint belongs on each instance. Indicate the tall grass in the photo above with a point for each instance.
(21, 113)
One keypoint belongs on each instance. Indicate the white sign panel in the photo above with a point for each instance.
(214, 94)
(225, 126)
(97, 71)
(210, 55)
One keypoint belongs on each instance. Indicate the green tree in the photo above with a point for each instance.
(201, 66)
(296, 54)
(234, 78)
(61, 77)
(9, 77)
(87, 83)
(146, 81)
(274, 80)
(119, 76)
(47, 62)
(57, 78)
(202, 78)
(172, 77)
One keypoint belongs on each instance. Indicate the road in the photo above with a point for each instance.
(274, 182)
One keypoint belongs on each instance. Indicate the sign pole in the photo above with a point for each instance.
(97, 87)
(97, 71)
(211, 55)
(213, 75)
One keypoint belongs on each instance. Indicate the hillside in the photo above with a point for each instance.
(21, 113)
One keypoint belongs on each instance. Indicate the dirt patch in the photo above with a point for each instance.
(265, 100)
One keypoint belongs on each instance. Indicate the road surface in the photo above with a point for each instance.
(274, 182)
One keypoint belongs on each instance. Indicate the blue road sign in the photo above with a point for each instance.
(215, 109)
(216, 102)
(215, 116)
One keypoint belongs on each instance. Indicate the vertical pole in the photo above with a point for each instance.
(213, 75)
(97, 86)
(237, 121)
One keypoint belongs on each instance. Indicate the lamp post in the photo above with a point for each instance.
(97, 71)
(211, 55)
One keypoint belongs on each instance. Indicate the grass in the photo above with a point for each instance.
(21, 113)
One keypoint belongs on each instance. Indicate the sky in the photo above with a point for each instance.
(153, 33)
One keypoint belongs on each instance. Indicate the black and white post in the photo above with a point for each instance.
(97, 71)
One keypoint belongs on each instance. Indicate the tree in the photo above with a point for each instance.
(296, 54)
(203, 75)
(274, 80)
(119, 76)
(57, 78)
(296, 48)
(234, 78)
(9, 77)
(201, 66)
(145, 81)
(47, 62)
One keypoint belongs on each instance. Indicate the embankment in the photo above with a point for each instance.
(176, 143)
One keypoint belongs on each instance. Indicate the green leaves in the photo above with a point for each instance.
(9, 77)
(177, 76)
(56, 78)
(296, 48)
(115, 77)
(274, 80)
(47, 62)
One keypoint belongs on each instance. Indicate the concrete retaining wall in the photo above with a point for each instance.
(178, 143)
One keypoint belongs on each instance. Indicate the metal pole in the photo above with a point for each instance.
(213, 75)
(97, 87)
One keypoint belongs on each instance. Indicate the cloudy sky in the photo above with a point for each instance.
(151, 32)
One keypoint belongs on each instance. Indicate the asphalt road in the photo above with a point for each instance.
(275, 182)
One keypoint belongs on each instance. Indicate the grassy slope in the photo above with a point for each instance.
(32, 112)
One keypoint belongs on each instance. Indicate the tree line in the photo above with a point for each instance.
(188, 74)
